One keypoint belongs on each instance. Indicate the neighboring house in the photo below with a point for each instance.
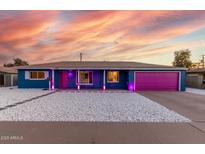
(196, 78)
(102, 75)
(8, 76)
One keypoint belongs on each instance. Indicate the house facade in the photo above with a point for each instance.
(132, 76)
(8, 76)
(196, 78)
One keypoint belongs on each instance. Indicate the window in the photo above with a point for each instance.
(39, 75)
(33, 75)
(86, 77)
(113, 76)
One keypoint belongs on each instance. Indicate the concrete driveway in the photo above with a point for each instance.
(187, 104)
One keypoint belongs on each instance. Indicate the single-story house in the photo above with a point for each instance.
(196, 78)
(104, 75)
(8, 76)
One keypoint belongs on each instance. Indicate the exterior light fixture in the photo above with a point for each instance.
(130, 87)
(104, 87)
(52, 81)
(70, 74)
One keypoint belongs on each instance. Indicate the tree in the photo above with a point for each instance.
(182, 58)
(16, 62)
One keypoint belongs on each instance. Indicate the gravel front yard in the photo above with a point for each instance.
(11, 95)
(91, 106)
(196, 91)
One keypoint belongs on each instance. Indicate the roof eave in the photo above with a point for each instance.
(111, 68)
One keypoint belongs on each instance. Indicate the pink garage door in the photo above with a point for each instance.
(157, 81)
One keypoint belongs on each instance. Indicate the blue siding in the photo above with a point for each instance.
(23, 83)
(72, 80)
(57, 78)
(131, 83)
(123, 81)
(183, 80)
(97, 81)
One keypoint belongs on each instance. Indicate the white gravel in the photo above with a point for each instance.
(92, 106)
(12, 95)
(196, 91)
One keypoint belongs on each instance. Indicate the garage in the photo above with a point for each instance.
(8, 76)
(157, 81)
(1, 79)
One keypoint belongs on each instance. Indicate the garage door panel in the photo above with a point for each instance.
(156, 81)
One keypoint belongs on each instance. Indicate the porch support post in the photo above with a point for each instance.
(104, 86)
(78, 84)
(49, 84)
(53, 80)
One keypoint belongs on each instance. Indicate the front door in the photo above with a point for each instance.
(64, 80)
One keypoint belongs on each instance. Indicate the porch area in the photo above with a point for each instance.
(90, 79)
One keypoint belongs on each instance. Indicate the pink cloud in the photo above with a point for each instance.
(102, 35)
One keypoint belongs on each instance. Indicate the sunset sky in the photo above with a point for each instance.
(143, 36)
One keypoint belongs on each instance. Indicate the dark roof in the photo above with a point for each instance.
(199, 70)
(98, 65)
(11, 70)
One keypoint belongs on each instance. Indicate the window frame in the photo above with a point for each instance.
(88, 78)
(113, 81)
(37, 75)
